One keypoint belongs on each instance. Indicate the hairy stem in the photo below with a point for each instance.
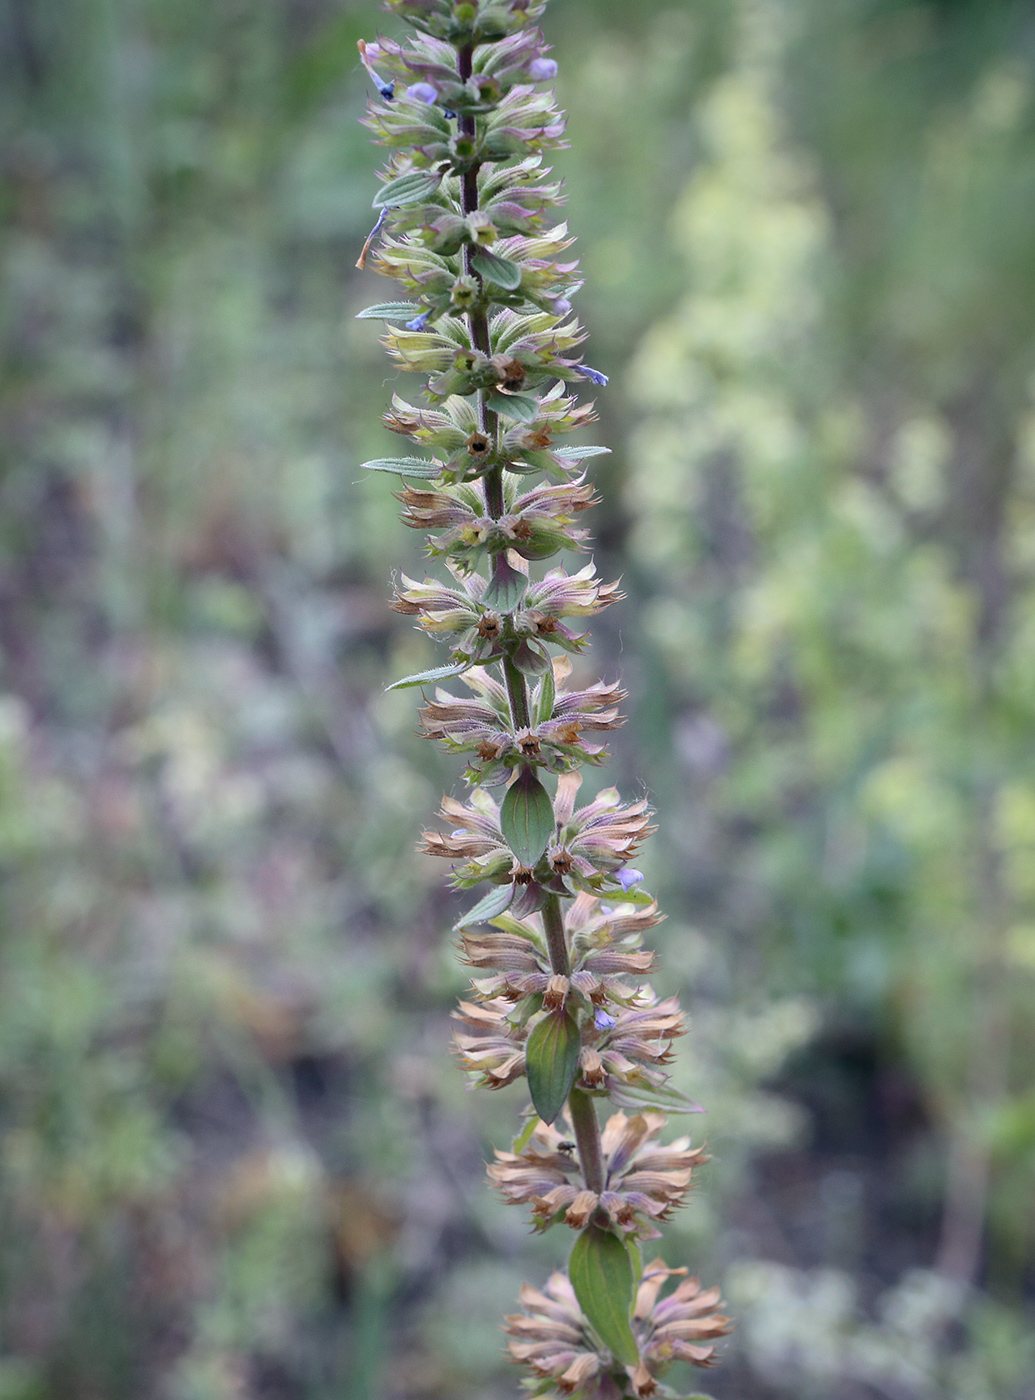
(517, 694)
(583, 1111)
(478, 320)
(587, 1137)
(556, 942)
(580, 1105)
(517, 689)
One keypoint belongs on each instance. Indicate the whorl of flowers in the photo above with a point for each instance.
(468, 227)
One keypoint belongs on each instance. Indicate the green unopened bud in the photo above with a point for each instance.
(483, 230)
(464, 149)
(464, 293)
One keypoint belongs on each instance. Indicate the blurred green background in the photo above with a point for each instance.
(237, 1163)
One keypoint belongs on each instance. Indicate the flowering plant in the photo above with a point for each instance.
(467, 227)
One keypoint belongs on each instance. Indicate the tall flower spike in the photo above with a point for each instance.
(469, 229)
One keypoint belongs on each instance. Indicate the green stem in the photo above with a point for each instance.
(587, 1136)
(494, 488)
(517, 689)
(517, 694)
(580, 1106)
(556, 942)
(478, 320)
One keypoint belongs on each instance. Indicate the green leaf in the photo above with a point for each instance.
(390, 311)
(545, 698)
(437, 673)
(408, 189)
(493, 268)
(523, 407)
(532, 659)
(640, 1096)
(506, 587)
(524, 1137)
(406, 466)
(526, 817)
(602, 1277)
(552, 1062)
(576, 454)
(495, 902)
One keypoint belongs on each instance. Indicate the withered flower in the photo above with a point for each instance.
(556, 739)
(644, 1181)
(491, 1047)
(476, 840)
(605, 950)
(551, 1337)
(535, 525)
(595, 840)
(682, 1327)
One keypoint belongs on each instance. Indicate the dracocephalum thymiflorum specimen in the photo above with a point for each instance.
(468, 227)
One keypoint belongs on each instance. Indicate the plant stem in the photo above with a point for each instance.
(583, 1112)
(556, 942)
(517, 689)
(580, 1105)
(517, 694)
(587, 1136)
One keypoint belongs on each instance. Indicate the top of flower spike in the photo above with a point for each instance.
(468, 21)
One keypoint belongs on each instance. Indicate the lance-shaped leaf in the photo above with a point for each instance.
(601, 1274)
(390, 311)
(531, 658)
(552, 1062)
(493, 268)
(526, 817)
(641, 1096)
(577, 454)
(524, 1137)
(495, 902)
(408, 189)
(437, 673)
(545, 698)
(506, 587)
(522, 407)
(406, 466)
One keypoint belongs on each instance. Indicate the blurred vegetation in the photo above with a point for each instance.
(236, 1161)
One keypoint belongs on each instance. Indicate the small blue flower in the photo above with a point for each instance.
(422, 92)
(561, 306)
(361, 261)
(419, 322)
(368, 53)
(627, 877)
(593, 374)
(602, 1020)
(542, 69)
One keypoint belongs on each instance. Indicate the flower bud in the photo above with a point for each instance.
(423, 92)
(464, 293)
(541, 70)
